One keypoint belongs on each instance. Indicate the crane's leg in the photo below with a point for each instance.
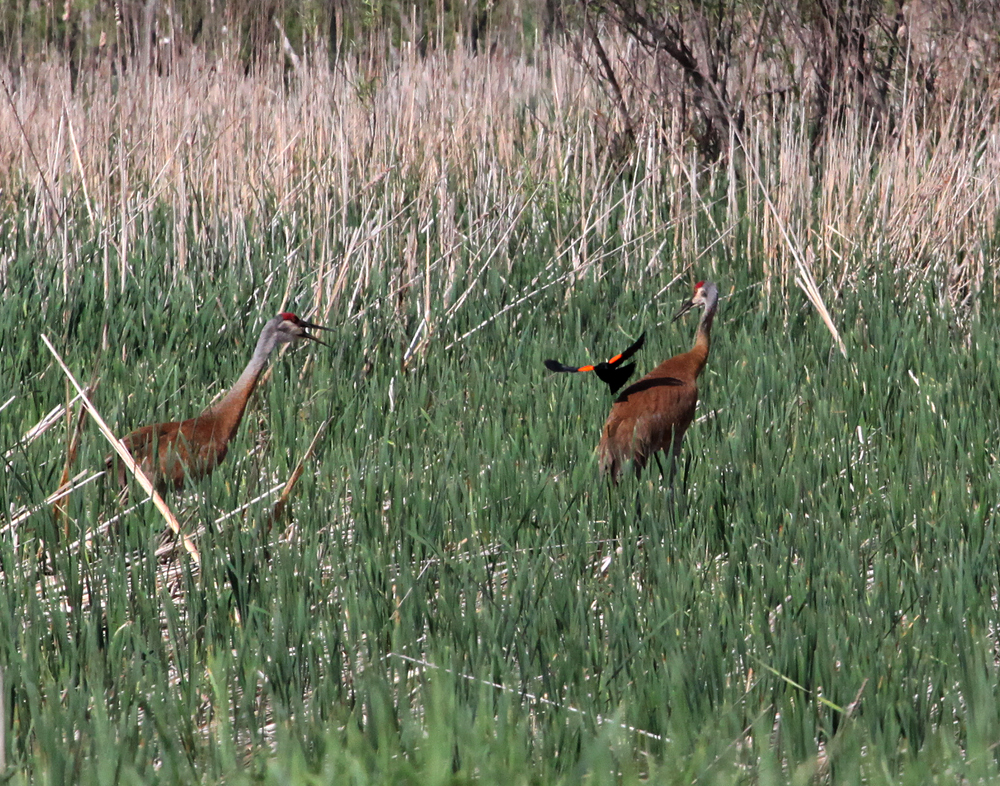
(639, 461)
(675, 460)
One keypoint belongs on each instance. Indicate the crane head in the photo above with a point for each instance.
(698, 299)
(291, 329)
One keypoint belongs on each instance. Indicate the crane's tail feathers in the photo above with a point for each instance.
(610, 466)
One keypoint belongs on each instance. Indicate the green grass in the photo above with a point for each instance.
(819, 601)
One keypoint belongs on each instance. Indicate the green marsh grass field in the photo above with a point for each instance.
(455, 596)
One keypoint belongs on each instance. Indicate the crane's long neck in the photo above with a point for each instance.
(228, 412)
(703, 338)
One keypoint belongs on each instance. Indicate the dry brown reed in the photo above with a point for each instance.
(463, 150)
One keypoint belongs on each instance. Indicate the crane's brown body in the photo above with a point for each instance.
(654, 413)
(171, 453)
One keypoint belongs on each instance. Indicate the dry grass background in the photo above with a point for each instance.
(417, 179)
(458, 147)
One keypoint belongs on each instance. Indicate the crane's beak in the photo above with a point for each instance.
(311, 326)
(685, 307)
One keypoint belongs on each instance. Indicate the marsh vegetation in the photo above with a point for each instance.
(452, 594)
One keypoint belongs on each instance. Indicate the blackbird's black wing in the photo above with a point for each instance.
(614, 376)
(630, 351)
(611, 372)
(555, 365)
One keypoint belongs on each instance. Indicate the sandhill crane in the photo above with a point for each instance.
(171, 452)
(652, 414)
(611, 372)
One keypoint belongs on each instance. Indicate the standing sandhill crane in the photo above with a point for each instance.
(652, 414)
(171, 452)
(610, 372)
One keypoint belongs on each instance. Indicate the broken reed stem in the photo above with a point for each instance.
(804, 277)
(279, 507)
(59, 508)
(127, 459)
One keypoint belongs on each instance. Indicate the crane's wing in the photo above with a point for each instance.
(650, 383)
(610, 372)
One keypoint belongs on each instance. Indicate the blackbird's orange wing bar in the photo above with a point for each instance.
(611, 372)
